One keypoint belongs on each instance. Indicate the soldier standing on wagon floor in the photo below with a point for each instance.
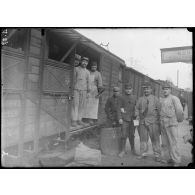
(77, 60)
(81, 91)
(148, 113)
(171, 113)
(92, 102)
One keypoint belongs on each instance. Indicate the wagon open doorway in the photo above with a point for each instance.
(57, 83)
(58, 78)
(90, 113)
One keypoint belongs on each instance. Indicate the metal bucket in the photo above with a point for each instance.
(110, 143)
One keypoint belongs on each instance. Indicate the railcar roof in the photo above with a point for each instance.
(73, 35)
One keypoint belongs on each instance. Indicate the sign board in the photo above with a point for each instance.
(176, 54)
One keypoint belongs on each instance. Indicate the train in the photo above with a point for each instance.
(37, 81)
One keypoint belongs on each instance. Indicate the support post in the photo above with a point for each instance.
(38, 112)
(69, 51)
(67, 134)
(23, 101)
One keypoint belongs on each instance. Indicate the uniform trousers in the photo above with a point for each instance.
(78, 104)
(128, 131)
(152, 131)
(169, 135)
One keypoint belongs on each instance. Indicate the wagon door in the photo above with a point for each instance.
(56, 99)
(57, 87)
(12, 85)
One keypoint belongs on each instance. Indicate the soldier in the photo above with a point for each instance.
(128, 114)
(182, 99)
(81, 91)
(113, 108)
(147, 111)
(77, 60)
(171, 113)
(92, 102)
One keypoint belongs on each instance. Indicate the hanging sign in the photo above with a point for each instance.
(176, 54)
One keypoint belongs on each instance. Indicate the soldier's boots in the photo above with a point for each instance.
(133, 151)
(121, 154)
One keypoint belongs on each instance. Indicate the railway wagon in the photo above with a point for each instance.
(37, 81)
(136, 79)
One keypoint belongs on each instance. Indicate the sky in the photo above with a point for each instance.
(140, 48)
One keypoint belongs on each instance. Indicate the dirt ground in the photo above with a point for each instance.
(132, 161)
(56, 154)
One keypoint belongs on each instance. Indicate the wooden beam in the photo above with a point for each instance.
(40, 84)
(69, 51)
(23, 102)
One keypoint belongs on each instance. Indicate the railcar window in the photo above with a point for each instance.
(58, 47)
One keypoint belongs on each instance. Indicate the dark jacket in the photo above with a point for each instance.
(113, 108)
(129, 107)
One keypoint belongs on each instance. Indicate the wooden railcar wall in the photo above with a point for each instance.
(111, 71)
(188, 97)
(14, 78)
(53, 108)
(136, 79)
(30, 68)
(110, 68)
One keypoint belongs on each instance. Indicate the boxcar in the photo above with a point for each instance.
(37, 81)
(37, 72)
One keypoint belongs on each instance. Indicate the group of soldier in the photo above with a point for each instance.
(157, 118)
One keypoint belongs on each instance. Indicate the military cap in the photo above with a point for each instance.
(128, 86)
(77, 57)
(115, 89)
(84, 59)
(94, 63)
(166, 85)
(146, 84)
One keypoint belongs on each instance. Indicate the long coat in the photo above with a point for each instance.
(113, 108)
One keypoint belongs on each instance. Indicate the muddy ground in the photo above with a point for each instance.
(54, 153)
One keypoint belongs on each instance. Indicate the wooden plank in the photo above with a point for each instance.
(36, 33)
(23, 102)
(22, 127)
(35, 69)
(56, 79)
(34, 61)
(35, 50)
(35, 41)
(40, 85)
(13, 72)
(32, 86)
(33, 77)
